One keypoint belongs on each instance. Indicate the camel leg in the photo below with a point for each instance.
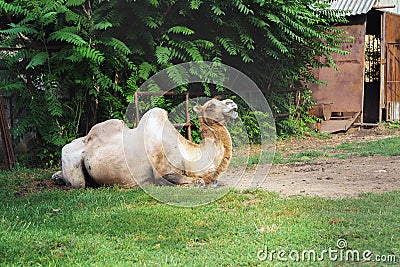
(180, 179)
(58, 178)
(161, 180)
(73, 172)
(177, 179)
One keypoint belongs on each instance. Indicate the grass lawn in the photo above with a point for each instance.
(119, 227)
(385, 147)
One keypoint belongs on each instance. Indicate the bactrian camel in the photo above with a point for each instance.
(152, 153)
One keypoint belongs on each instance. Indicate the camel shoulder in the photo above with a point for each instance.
(105, 129)
(75, 145)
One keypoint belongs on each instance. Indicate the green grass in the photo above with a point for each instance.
(306, 156)
(268, 157)
(384, 147)
(254, 159)
(392, 125)
(120, 227)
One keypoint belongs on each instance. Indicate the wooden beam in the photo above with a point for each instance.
(384, 7)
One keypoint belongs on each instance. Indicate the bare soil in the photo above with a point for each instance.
(334, 178)
(38, 185)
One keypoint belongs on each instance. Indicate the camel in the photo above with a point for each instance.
(152, 153)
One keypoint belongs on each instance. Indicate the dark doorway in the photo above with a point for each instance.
(371, 102)
(372, 65)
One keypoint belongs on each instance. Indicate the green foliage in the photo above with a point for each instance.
(254, 126)
(180, 30)
(83, 60)
(38, 59)
(68, 56)
(68, 35)
(393, 125)
(294, 106)
(196, 134)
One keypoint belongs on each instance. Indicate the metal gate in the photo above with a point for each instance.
(393, 82)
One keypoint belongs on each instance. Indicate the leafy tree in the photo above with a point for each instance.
(64, 52)
(277, 43)
(73, 63)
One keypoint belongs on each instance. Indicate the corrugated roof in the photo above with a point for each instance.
(355, 7)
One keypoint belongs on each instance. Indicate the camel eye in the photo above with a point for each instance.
(210, 107)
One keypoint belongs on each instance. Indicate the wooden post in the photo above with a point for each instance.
(137, 119)
(6, 136)
(188, 124)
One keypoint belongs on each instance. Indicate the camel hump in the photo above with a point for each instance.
(158, 113)
(154, 116)
(105, 129)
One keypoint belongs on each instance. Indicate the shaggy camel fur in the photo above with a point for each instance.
(152, 153)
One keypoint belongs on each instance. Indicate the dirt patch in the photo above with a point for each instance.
(333, 178)
(37, 186)
(336, 178)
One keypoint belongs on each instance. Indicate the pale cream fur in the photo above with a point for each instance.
(153, 152)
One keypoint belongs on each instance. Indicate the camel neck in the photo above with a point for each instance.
(221, 137)
(214, 130)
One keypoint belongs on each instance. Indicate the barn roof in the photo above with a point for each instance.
(357, 7)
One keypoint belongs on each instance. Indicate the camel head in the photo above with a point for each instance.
(216, 111)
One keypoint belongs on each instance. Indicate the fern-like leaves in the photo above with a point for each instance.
(90, 53)
(68, 35)
(162, 55)
(180, 30)
(37, 60)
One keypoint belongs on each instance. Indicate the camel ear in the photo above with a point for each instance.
(198, 109)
